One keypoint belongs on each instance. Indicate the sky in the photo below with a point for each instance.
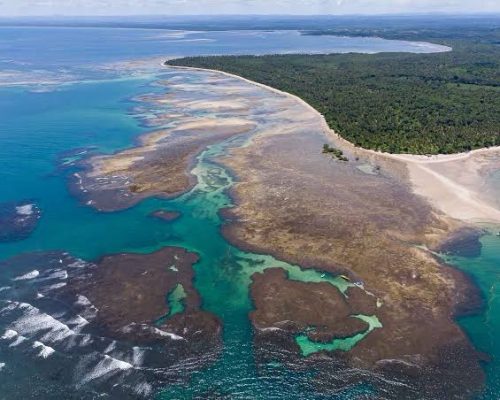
(211, 7)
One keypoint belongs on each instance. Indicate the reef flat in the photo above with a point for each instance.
(356, 220)
(302, 207)
(107, 325)
(160, 164)
(140, 282)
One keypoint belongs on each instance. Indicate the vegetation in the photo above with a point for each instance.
(339, 154)
(394, 102)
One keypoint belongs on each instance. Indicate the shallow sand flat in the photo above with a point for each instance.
(218, 105)
(105, 165)
(200, 125)
(159, 165)
(457, 184)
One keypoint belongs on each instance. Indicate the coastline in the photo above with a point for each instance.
(311, 210)
(459, 200)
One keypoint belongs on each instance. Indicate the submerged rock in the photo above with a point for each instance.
(103, 327)
(18, 220)
(166, 215)
(463, 243)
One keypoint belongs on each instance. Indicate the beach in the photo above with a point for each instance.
(456, 184)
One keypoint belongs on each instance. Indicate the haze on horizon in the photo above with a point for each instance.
(10, 8)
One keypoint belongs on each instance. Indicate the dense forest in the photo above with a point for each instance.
(394, 102)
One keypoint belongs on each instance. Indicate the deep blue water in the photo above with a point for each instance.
(86, 106)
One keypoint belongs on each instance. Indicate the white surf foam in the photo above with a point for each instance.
(12, 334)
(2, 366)
(82, 301)
(10, 306)
(138, 354)
(105, 366)
(55, 286)
(85, 340)
(25, 210)
(144, 389)
(110, 347)
(9, 334)
(19, 339)
(59, 274)
(45, 351)
(55, 274)
(33, 322)
(77, 322)
(30, 275)
(270, 329)
(77, 264)
(172, 336)
(118, 364)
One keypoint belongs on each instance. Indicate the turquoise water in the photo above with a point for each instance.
(37, 126)
(223, 278)
(175, 300)
(308, 347)
(74, 116)
(484, 329)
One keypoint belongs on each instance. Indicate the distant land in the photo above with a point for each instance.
(438, 103)
(378, 101)
(264, 22)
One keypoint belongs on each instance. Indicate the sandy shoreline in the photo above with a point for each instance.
(441, 179)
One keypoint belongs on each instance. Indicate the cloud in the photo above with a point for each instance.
(190, 7)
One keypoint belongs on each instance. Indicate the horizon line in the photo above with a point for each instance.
(395, 14)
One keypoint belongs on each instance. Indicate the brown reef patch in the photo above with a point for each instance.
(304, 208)
(18, 220)
(100, 324)
(166, 215)
(464, 242)
(129, 292)
(293, 307)
(115, 182)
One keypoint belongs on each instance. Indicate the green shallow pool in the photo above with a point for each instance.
(175, 300)
(308, 347)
